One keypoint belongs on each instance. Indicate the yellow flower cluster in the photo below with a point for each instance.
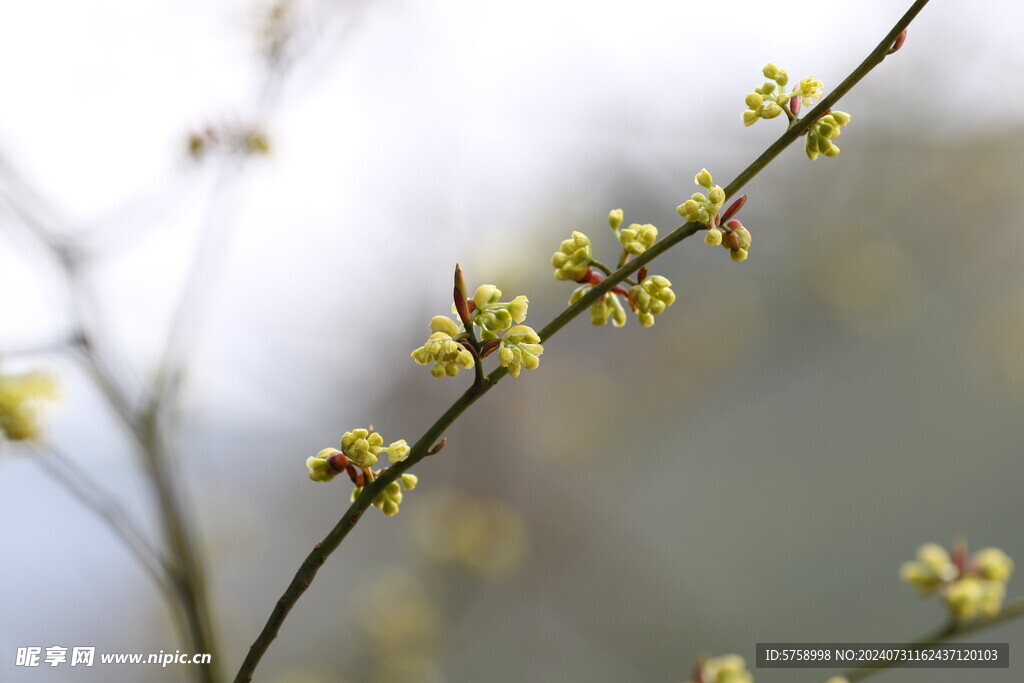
(572, 259)
(652, 296)
(971, 587)
(520, 348)
(389, 500)
(725, 669)
(736, 239)
(363, 447)
(441, 349)
(449, 347)
(493, 316)
(701, 209)
(636, 239)
(822, 132)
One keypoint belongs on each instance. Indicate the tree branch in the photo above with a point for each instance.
(307, 571)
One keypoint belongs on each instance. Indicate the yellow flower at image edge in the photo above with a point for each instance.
(725, 669)
(18, 393)
(971, 588)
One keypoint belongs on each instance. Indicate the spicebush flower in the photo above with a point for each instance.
(636, 239)
(520, 348)
(573, 257)
(389, 500)
(442, 350)
(326, 464)
(725, 669)
(699, 208)
(652, 297)
(18, 394)
(822, 132)
(608, 307)
(493, 316)
(971, 587)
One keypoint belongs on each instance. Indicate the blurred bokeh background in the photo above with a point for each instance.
(297, 181)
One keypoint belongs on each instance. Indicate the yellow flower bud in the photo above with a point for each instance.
(320, 469)
(689, 209)
(753, 100)
(750, 117)
(704, 179)
(636, 239)
(770, 109)
(615, 218)
(716, 197)
(841, 117)
(726, 669)
(744, 236)
(713, 237)
(18, 395)
(442, 323)
(993, 563)
(573, 257)
(398, 451)
(486, 294)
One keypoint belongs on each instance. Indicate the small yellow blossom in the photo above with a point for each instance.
(573, 257)
(520, 348)
(18, 396)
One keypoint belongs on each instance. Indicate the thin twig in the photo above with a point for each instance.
(307, 571)
(91, 495)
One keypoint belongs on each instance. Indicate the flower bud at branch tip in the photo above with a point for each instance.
(459, 296)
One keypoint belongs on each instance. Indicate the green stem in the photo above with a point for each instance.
(307, 571)
(1011, 610)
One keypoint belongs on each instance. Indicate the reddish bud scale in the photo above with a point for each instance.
(439, 445)
(794, 105)
(898, 43)
(461, 306)
(489, 347)
(355, 475)
(734, 208)
(959, 556)
(338, 462)
(590, 277)
(459, 297)
(469, 347)
(733, 240)
(641, 274)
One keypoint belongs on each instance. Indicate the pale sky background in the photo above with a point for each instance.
(409, 136)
